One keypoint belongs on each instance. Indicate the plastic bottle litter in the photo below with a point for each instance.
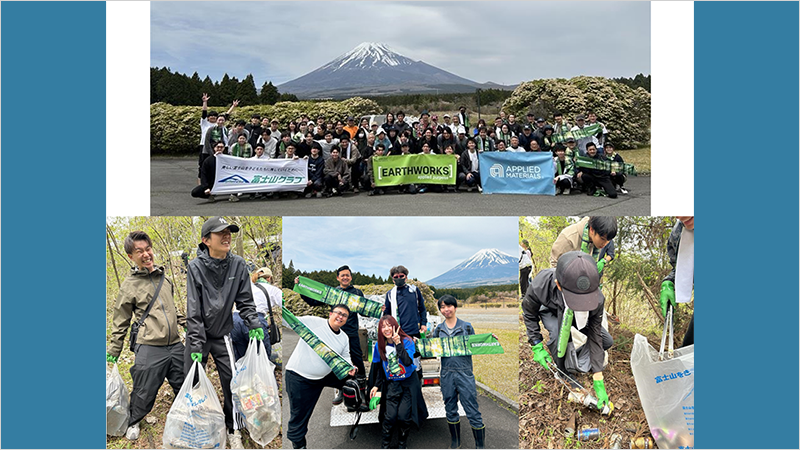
(588, 434)
(195, 419)
(643, 442)
(117, 411)
(255, 393)
(616, 441)
(590, 401)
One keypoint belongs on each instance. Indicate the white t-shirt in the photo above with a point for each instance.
(473, 158)
(305, 361)
(275, 296)
(516, 150)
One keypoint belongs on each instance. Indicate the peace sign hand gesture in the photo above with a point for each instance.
(396, 336)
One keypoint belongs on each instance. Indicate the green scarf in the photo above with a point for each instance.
(394, 363)
(609, 166)
(338, 365)
(334, 296)
(589, 130)
(475, 344)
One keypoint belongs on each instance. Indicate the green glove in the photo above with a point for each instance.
(111, 359)
(540, 355)
(373, 402)
(258, 333)
(667, 295)
(601, 264)
(197, 357)
(600, 390)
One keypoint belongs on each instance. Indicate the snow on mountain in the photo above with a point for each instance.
(367, 55)
(486, 267)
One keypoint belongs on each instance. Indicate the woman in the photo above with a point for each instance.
(505, 134)
(394, 383)
(481, 124)
(294, 132)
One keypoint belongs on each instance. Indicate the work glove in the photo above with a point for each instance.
(111, 359)
(600, 390)
(667, 295)
(600, 265)
(197, 357)
(258, 333)
(540, 355)
(373, 402)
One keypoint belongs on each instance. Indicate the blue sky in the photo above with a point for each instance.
(427, 246)
(503, 42)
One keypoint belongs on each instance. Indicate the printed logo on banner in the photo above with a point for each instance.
(496, 170)
(235, 179)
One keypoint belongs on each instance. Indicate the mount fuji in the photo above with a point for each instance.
(486, 267)
(374, 69)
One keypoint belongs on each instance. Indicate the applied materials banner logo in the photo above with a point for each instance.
(419, 169)
(517, 173)
(235, 175)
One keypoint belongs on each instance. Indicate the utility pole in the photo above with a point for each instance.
(478, 96)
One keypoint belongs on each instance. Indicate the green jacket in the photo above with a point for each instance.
(161, 325)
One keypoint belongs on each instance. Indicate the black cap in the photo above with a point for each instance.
(526, 127)
(217, 224)
(577, 274)
(540, 119)
(570, 139)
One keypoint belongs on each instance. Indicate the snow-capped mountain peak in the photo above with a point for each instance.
(489, 266)
(368, 55)
(486, 257)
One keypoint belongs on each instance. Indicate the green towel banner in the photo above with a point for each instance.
(334, 296)
(338, 365)
(475, 344)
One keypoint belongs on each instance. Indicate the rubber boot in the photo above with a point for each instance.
(455, 434)
(480, 436)
(402, 441)
(386, 435)
(339, 398)
(362, 385)
(301, 444)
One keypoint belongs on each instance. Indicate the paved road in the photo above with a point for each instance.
(502, 426)
(172, 179)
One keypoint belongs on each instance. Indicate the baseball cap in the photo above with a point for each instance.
(570, 139)
(526, 127)
(577, 274)
(461, 130)
(580, 117)
(217, 224)
(265, 271)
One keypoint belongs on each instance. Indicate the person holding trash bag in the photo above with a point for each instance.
(393, 384)
(685, 225)
(217, 280)
(146, 297)
(562, 298)
(307, 374)
(458, 382)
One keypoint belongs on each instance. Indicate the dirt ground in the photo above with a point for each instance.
(545, 412)
(150, 435)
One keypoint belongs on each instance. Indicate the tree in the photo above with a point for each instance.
(227, 90)
(269, 94)
(246, 91)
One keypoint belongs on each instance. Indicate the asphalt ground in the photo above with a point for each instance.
(502, 425)
(172, 179)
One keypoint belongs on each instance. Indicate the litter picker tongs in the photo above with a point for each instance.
(578, 393)
(667, 326)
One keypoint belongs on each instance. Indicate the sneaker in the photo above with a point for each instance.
(566, 191)
(235, 440)
(480, 189)
(334, 191)
(339, 398)
(371, 193)
(423, 190)
(211, 199)
(622, 190)
(355, 190)
(233, 198)
(132, 433)
(381, 192)
(319, 194)
(559, 191)
(308, 195)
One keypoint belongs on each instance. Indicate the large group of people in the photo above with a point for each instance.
(217, 281)
(340, 150)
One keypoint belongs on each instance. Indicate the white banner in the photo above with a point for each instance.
(235, 175)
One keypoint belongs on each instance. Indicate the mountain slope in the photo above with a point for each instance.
(374, 69)
(486, 267)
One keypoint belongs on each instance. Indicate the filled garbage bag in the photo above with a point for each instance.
(666, 390)
(255, 393)
(117, 412)
(195, 419)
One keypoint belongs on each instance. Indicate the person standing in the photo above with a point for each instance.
(158, 350)
(216, 280)
(680, 275)
(525, 265)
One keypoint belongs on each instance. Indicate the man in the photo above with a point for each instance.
(337, 174)
(327, 144)
(238, 130)
(273, 128)
(457, 381)
(501, 146)
(617, 179)
(241, 148)
(572, 149)
(269, 143)
(345, 278)
(304, 147)
(286, 139)
(600, 138)
(590, 235)
(461, 141)
(339, 132)
(216, 133)
(514, 147)
(368, 181)
(685, 226)
(560, 125)
(216, 280)
(448, 124)
(316, 172)
(525, 265)
(471, 167)
(592, 178)
(307, 374)
(158, 350)
(208, 119)
(254, 129)
(513, 125)
(351, 156)
(260, 152)
(484, 143)
(265, 296)
(463, 117)
(401, 124)
(530, 121)
(580, 123)
(208, 174)
(569, 292)
(526, 137)
(405, 303)
(290, 151)
(351, 128)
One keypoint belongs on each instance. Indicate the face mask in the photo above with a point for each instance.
(399, 281)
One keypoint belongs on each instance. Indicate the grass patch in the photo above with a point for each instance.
(500, 372)
(639, 158)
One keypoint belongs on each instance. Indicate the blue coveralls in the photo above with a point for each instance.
(457, 380)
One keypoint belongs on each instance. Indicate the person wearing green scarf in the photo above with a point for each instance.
(564, 171)
(617, 179)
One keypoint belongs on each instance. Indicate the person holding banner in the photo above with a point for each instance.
(580, 123)
(208, 174)
(592, 178)
(307, 374)
(393, 384)
(337, 174)
(471, 167)
(457, 380)
(565, 170)
(316, 167)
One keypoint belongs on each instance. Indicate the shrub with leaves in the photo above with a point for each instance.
(624, 111)
(175, 130)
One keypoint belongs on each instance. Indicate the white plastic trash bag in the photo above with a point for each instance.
(255, 393)
(117, 412)
(666, 389)
(195, 419)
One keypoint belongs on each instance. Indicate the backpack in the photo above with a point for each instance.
(352, 395)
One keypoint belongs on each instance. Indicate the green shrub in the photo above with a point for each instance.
(624, 111)
(175, 130)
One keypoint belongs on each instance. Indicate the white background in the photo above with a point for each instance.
(128, 109)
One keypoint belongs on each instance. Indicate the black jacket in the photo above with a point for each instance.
(212, 287)
(208, 172)
(543, 292)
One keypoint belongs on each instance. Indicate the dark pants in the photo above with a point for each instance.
(153, 364)
(563, 184)
(240, 335)
(476, 179)
(688, 338)
(357, 356)
(223, 359)
(200, 160)
(303, 395)
(618, 180)
(523, 279)
(592, 183)
(200, 192)
(550, 320)
(332, 182)
(461, 385)
(315, 186)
